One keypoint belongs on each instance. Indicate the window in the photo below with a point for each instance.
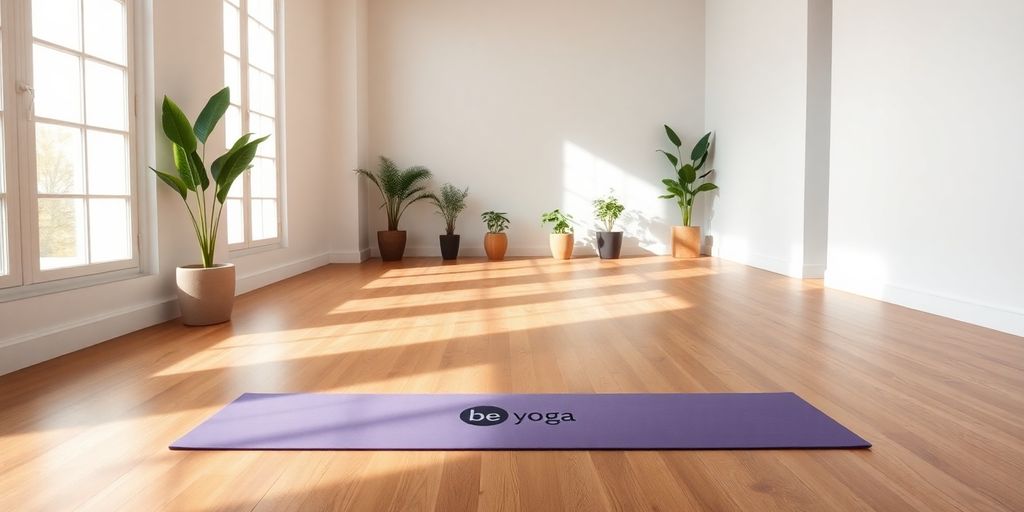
(250, 70)
(69, 124)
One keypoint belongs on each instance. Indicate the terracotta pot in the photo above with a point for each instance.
(206, 295)
(609, 244)
(495, 244)
(561, 245)
(391, 245)
(449, 247)
(685, 241)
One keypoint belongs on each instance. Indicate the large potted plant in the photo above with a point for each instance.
(684, 189)
(495, 241)
(399, 188)
(206, 291)
(449, 205)
(609, 243)
(560, 239)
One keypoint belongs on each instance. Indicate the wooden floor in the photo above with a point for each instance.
(942, 401)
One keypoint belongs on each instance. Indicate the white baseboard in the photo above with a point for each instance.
(1003, 319)
(256, 280)
(39, 346)
(350, 256)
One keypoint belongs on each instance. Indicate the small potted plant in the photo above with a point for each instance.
(206, 291)
(686, 238)
(608, 210)
(561, 239)
(495, 241)
(449, 205)
(399, 188)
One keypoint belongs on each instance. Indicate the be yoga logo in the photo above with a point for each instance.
(489, 415)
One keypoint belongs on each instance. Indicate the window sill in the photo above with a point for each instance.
(242, 252)
(16, 293)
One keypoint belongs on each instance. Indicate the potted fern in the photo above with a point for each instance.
(561, 238)
(495, 241)
(206, 291)
(684, 189)
(399, 188)
(609, 243)
(449, 205)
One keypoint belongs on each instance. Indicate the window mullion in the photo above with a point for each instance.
(243, 48)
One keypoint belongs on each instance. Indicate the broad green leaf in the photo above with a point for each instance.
(218, 164)
(670, 182)
(235, 166)
(173, 182)
(200, 169)
(679, 191)
(211, 114)
(701, 162)
(705, 187)
(176, 126)
(671, 158)
(701, 148)
(672, 137)
(183, 163)
(687, 174)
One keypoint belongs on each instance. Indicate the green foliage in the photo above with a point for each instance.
(608, 209)
(191, 175)
(398, 187)
(562, 221)
(685, 188)
(449, 205)
(496, 222)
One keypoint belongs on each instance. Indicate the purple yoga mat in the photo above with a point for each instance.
(518, 422)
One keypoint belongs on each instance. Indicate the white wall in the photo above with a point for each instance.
(927, 175)
(188, 66)
(765, 86)
(535, 105)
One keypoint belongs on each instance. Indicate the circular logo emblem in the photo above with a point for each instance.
(484, 415)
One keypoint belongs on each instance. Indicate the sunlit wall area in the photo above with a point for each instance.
(926, 175)
(534, 106)
(763, 92)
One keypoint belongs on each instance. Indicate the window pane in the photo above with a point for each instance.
(233, 78)
(57, 78)
(236, 220)
(263, 178)
(232, 126)
(109, 230)
(232, 36)
(57, 21)
(264, 219)
(59, 160)
(261, 92)
(263, 11)
(106, 96)
(61, 233)
(105, 30)
(260, 126)
(107, 163)
(261, 47)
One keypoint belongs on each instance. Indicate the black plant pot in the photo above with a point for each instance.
(449, 247)
(609, 244)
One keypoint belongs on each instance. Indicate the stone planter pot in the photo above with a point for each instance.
(609, 244)
(685, 241)
(206, 295)
(391, 245)
(561, 245)
(449, 247)
(495, 245)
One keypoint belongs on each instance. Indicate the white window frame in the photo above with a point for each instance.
(23, 241)
(250, 245)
